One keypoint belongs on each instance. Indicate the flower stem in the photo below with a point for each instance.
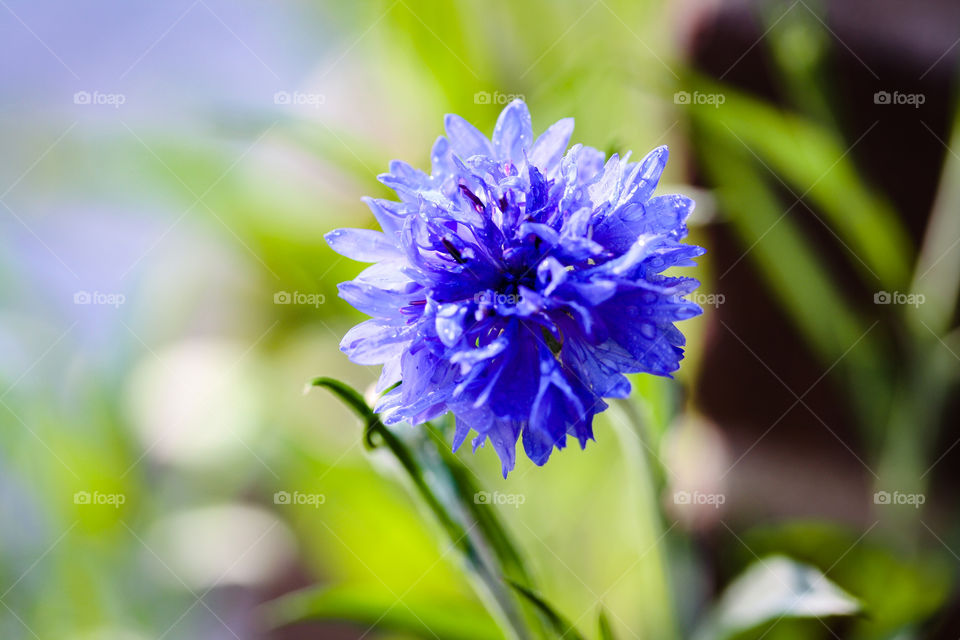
(658, 616)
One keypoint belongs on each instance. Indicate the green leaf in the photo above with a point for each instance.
(796, 277)
(773, 588)
(816, 164)
(937, 275)
(606, 631)
(559, 624)
(422, 617)
(897, 589)
(801, 49)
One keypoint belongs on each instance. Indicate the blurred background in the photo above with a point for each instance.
(167, 174)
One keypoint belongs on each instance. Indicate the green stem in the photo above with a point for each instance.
(659, 619)
(908, 459)
(426, 466)
(931, 371)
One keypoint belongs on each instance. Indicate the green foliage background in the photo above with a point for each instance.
(122, 400)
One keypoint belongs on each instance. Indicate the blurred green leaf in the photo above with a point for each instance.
(797, 277)
(423, 617)
(606, 631)
(896, 590)
(559, 624)
(817, 164)
(800, 48)
(656, 406)
(773, 588)
(937, 274)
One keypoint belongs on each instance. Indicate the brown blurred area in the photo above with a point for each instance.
(799, 468)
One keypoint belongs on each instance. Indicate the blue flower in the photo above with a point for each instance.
(517, 282)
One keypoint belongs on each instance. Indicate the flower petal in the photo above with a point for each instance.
(644, 180)
(465, 139)
(449, 322)
(503, 436)
(374, 342)
(374, 301)
(513, 134)
(389, 214)
(440, 157)
(363, 245)
(589, 164)
(547, 151)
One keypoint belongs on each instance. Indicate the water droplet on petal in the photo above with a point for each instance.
(686, 312)
(648, 330)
